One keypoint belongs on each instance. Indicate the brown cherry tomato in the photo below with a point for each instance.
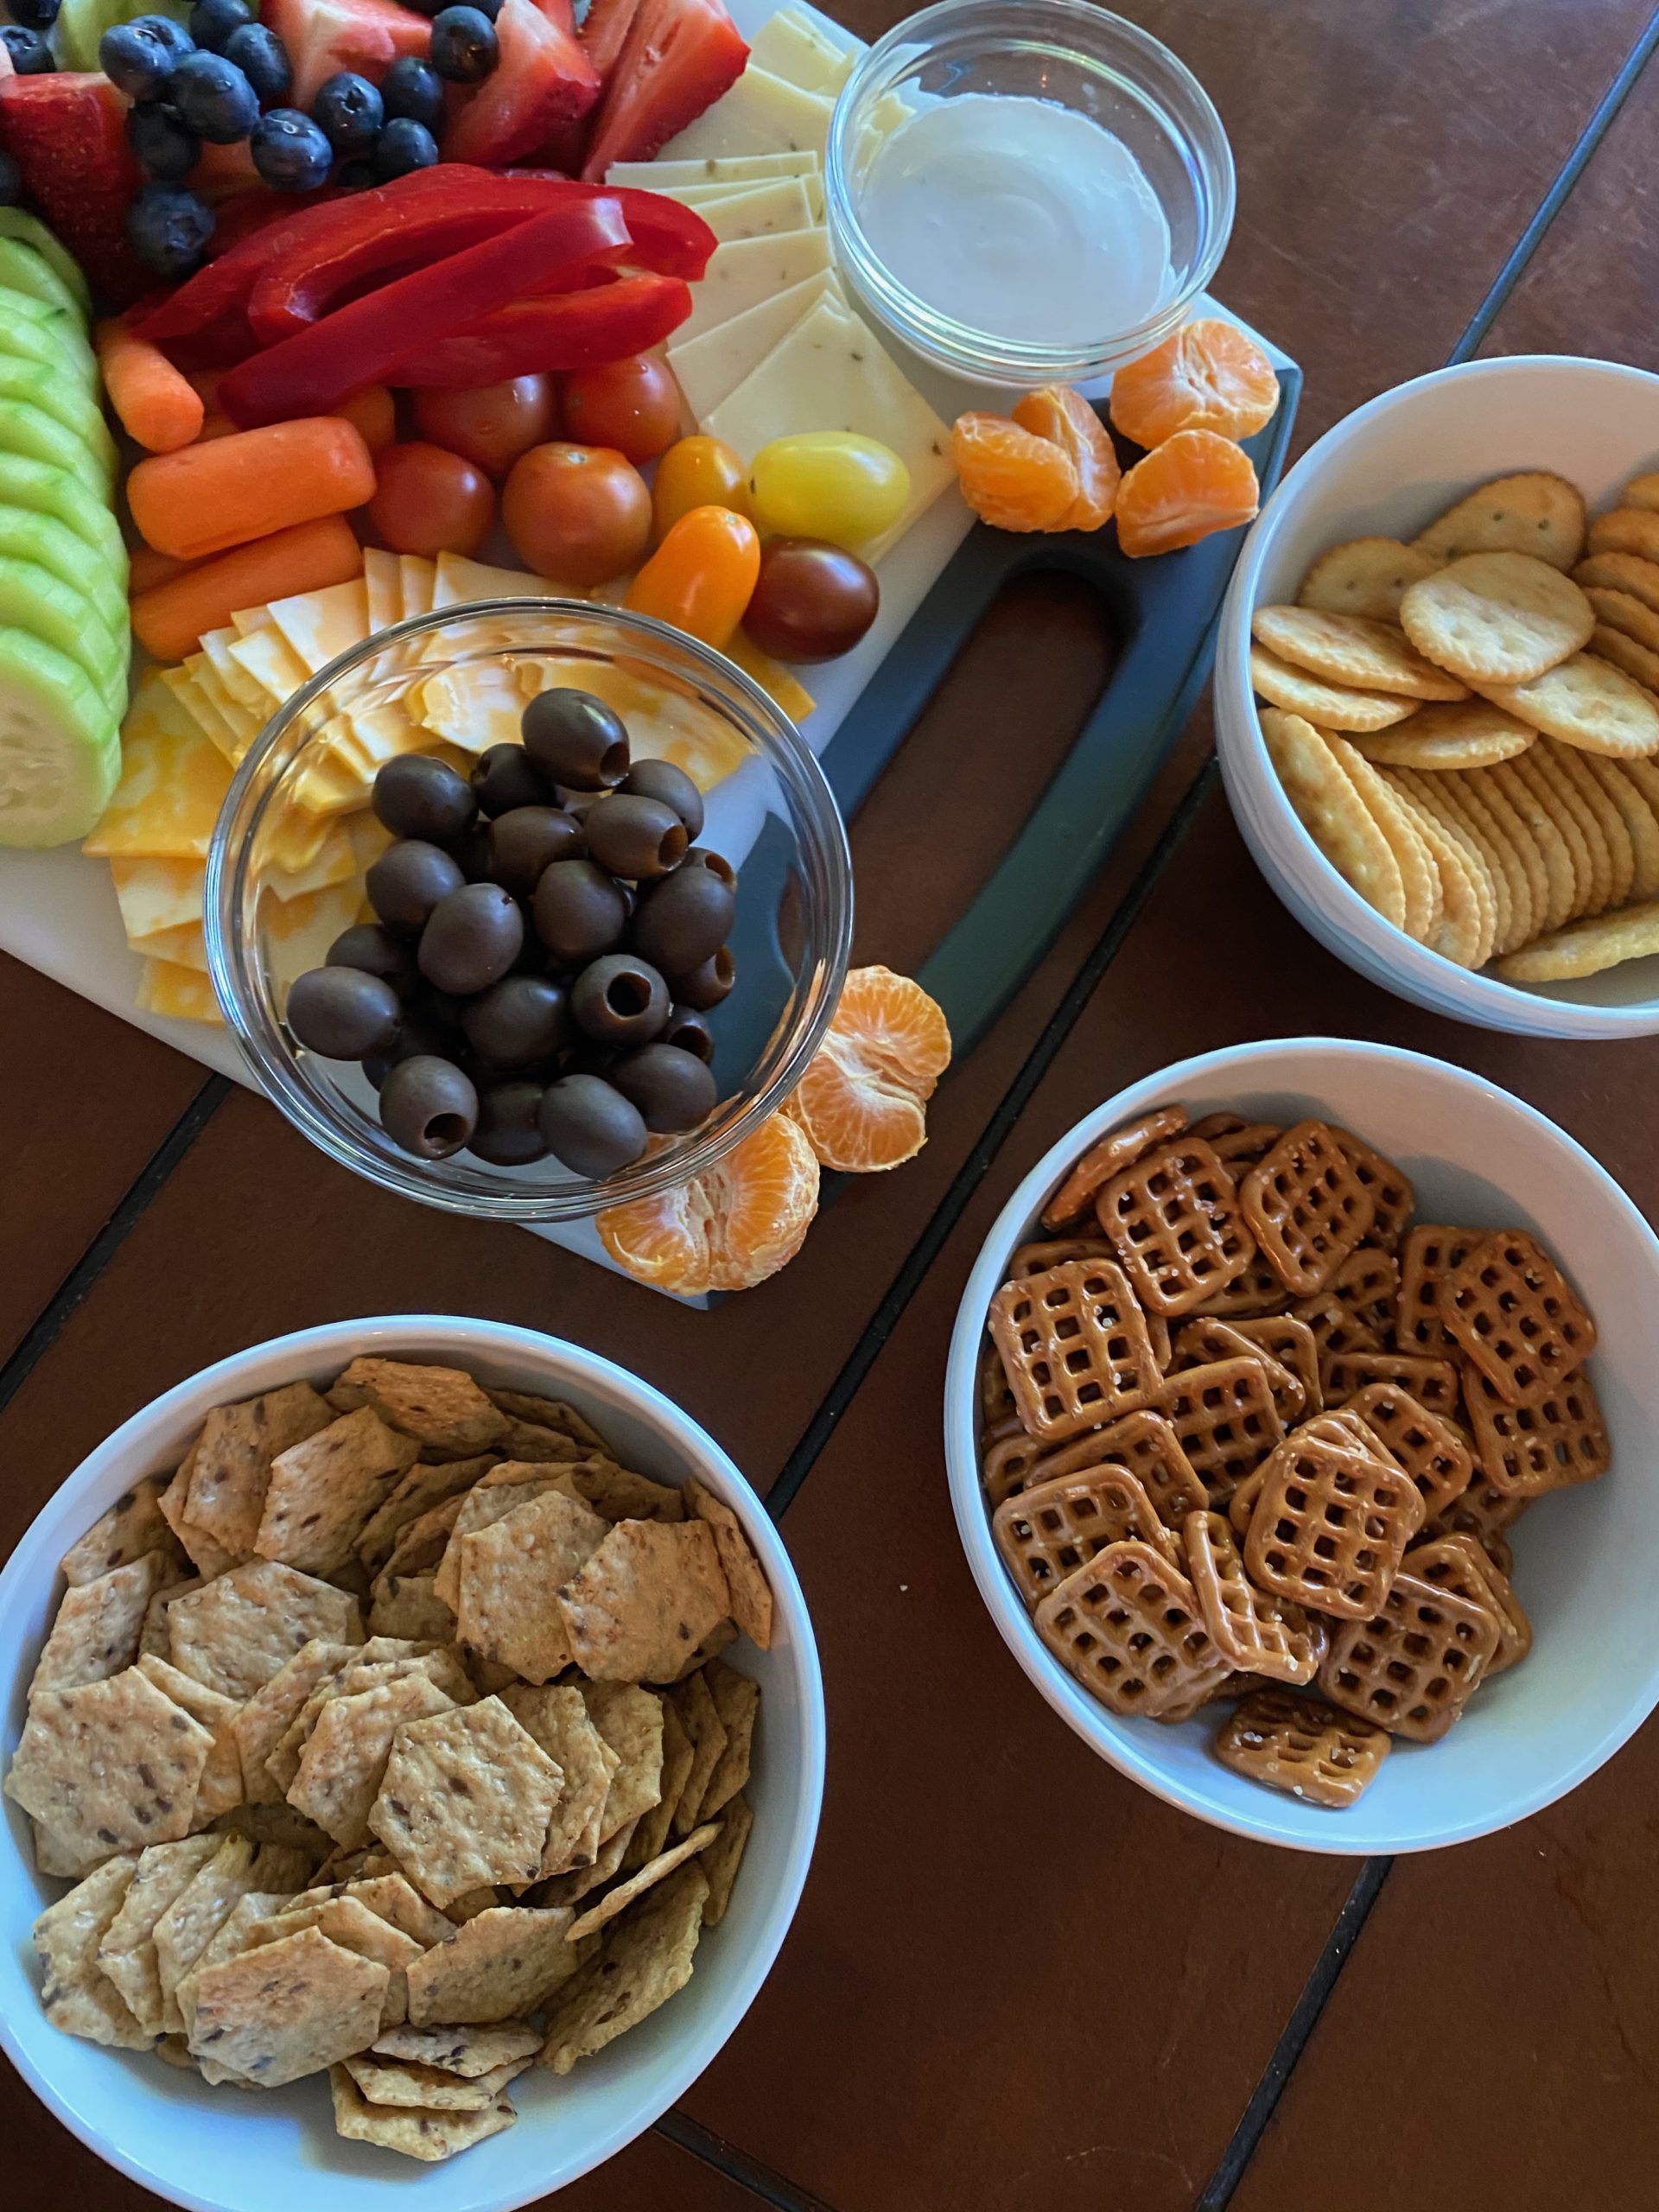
(812, 602)
(633, 405)
(579, 514)
(429, 501)
(491, 425)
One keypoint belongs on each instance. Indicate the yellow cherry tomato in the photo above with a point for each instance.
(828, 484)
(696, 473)
(703, 576)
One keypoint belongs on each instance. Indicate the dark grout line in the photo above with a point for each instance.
(1553, 201)
(102, 1249)
(725, 2158)
(1315, 1995)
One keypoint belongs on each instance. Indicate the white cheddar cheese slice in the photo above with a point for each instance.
(830, 373)
(792, 45)
(320, 626)
(764, 211)
(710, 368)
(761, 114)
(383, 594)
(154, 895)
(742, 276)
(705, 198)
(172, 782)
(658, 176)
(168, 987)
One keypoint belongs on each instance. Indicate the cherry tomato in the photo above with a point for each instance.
(494, 423)
(633, 405)
(429, 501)
(702, 577)
(375, 414)
(697, 472)
(830, 484)
(812, 602)
(580, 514)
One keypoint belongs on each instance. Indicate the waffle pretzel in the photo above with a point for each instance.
(1483, 1512)
(1300, 1744)
(1075, 1347)
(1457, 1563)
(1006, 1463)
(1037, 1259)
(1204, 1341)
(1306, 1207)
(1330, 1525)
(1126, 1626)
(1294, 1345)
(1260, 1633)
(1392, 1194)
(1224, 1420)
(1149, 1447)
(1429, 1253)
(1349, 1433)
(1050, 1531)
(1232, 1139)
(1240, 1506)
(1368, 1284)
(1527, 1450)
(1516, 1316)
(1433, 1382)
(1118, 1149)
(1256, 1292)
(1335, 1329)
(1412, 1666)
(995, 1398)
(1174, 1221)
(1435, 1454)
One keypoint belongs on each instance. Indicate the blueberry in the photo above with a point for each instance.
(173, 36)
(162, 144)
(404, 145)
(211, 21)
(464, 47)
(288, 151)
(350, 112)
(35, 15)
(414, 91)
(168, 228)
(214, 98)
(428, 7)
(134, 60)
(262, 59)
(30, 54)
(353, 176)
(11, 181)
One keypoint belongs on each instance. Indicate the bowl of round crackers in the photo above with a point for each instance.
(414, 1744)
(1437, 694)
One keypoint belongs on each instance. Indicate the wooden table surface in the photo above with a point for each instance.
(1016, 1981)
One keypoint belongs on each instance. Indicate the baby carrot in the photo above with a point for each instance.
(157, 405)
(168, 619)
(146, 567)
(205, 498)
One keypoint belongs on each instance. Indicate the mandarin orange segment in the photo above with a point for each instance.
(1011, 479)
(727, 1229)
(1210, 376)
(1065, 419)
(862, 1101)
(1193, 485)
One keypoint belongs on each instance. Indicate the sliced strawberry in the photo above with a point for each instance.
(560, 12)
(678, 57)
(605, 33)
(324, 35)
(68, 134)
(542, 81)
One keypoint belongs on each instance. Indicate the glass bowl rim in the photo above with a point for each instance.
(258, 1033)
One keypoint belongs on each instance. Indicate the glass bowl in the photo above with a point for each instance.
(770, 812)
(1072, 54)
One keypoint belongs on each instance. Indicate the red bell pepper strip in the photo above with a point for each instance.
(669, 240)
(568, 330)
(360, 344)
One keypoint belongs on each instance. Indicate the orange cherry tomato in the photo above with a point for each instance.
(633, 405)
(579, 514)
(697, 472)
(494, 423)
(429, 501)
(703, 576)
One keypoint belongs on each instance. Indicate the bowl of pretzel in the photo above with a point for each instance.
(1297, 1420)
(1437, 694)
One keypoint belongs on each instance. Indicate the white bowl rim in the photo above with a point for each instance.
(1459, 993)
(1073, 1705)
(604, 1378)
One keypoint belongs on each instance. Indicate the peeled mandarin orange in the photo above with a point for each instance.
(1210, 376)
(862, 1101)
(1065, 419)
(1010, 477)
(728, 1228)
(1191, 484)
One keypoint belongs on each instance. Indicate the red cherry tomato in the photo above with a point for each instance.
(491, 425)
(633, 405)
(579, 514)
(813, 602)
(429, 501)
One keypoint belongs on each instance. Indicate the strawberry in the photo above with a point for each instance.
(605, 33)
(543, 81)
(67, 132)
(325, 35)
(677, 58)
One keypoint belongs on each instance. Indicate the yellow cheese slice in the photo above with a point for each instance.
(183, 947)
(474, 706)
(458, 581)
(740, 276)
(320, 626)
(710, 368)
(730, 169)
(169, 988)
(793, 48)
(297, 933)
(416, 576)
(157, 895)
(243, 723)
(774, 679)
(172, 782)
(326, 785)
(268, 657)
(761, 114)
(333, 861)
(380, 733)
(383, 593)
(247, 620)
(190, 697)
(292, 840)
(216, 647)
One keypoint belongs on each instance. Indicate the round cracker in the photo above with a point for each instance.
(1482, 797)
(1624, 611)
(1625, 572)
(1431, 809)
(1571, 808)
(1418, 876)
(1504, 856)
(1626, 530)
(1466, 733)
(1351, 649)
(1641, 818)
(1637, 661)
(1332, 813)
(1458, 819)
(1327, 706)
(1588, 872)
(1575, 767)
(1367, 576)
(1588, 949)
(1532, 513)
(1538, 822)
(1468, 918)
(1588, 702)
(1642, 492)
(1497, 618)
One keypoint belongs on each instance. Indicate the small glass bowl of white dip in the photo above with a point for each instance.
(1027, 192)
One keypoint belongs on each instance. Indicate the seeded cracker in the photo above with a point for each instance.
(99, 1623)
(549, 1413)
(701, 1719)
(466, 1800)
(230, 1465)
(349, 1922)
(189, 1924)
(423, 1488)
(559, 1721)
(745, 1576)
(288, 2009)
(236, 1632)
(209, 1558)
(506, 1963)
(74, 1993)
(134, 1524)
(260, 1725)
(155, 1636)
(344, 1761)
(429, 2136)
(502, 1491)
(441, 1408)
(110, 1766)
(463, 2051)
(720, 1860)
(323, 1492)
(583, 1881)
(647, 1958)
(678, 1754)
(221, 1778)
(618, 1900)
(409, 1605)
(508, 1573)
(616, 1494)
(126, 1951)
(428, 2088)
(645, 1600)
(737, 1700)
(630, 1721)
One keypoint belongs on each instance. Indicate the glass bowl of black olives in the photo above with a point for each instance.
(604, 910)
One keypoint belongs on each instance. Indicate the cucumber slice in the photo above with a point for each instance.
(49, 338)
(47, 389)
(25, 269)
(46, 488)
(15, 223)
(26, 534)
(33, 599)
(38, 435)
(59, 747)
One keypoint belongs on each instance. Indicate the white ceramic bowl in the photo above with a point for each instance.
(1387, 470)
(224, 2151)
(1584, 1557)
